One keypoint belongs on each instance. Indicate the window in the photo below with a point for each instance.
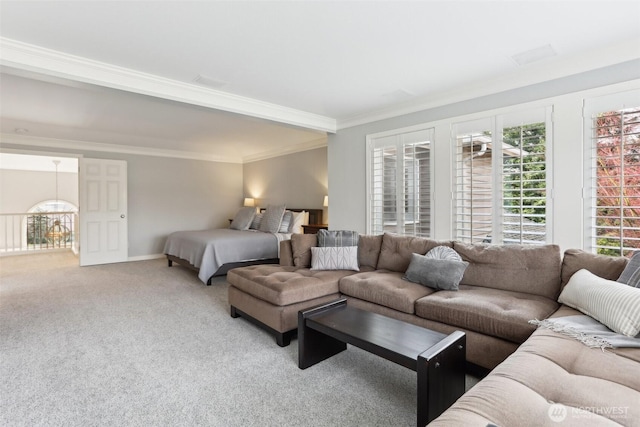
(615, 206)
(502, 179)
(399, 183)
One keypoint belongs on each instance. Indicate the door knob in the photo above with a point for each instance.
(122, 216)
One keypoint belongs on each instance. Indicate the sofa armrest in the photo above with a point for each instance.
(286, 253)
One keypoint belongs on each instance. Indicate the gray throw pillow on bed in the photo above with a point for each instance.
(243, 218)
(272, 218)
(257, 220)
(441, 274)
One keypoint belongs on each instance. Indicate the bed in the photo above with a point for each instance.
(214, 252)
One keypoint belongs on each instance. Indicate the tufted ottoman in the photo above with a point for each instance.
(273, 295)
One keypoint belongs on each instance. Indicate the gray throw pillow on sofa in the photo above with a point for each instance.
(444, 252)
(631, 273)
(336, 238)
(441, 274)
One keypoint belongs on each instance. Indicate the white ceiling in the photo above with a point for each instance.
(38, 163)
(83, 71)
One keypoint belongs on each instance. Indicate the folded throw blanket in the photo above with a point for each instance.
(588, 331)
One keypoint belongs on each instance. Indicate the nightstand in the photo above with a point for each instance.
(313, 228)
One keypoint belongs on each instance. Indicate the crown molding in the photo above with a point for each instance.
(305, 146)
(84, 146)
(37, 59)
(535, 73)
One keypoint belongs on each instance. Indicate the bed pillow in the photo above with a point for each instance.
(287, 219)
(257, 220)
(298, 222)
(334, 258)
(337, 238)
(243, 218)
(272, 219)
(441, 274)
(611, 303)
(631, 273)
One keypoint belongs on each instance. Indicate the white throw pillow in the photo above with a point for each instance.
(613, 304)
(334, 258)
(298, 221)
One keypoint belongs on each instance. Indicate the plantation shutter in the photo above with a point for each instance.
(383, 205)
(611, 173)
(501, 176)
(399, 185)
(614, 172)
(474, 181)
(524, 184)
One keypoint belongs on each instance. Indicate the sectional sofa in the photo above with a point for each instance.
(502, 289)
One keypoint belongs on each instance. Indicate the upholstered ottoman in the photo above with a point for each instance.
(271, 295)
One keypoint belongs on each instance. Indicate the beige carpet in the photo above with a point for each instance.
(142, 344)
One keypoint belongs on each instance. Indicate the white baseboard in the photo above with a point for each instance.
(145, 257)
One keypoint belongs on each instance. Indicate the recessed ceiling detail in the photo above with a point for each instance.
(534, 55)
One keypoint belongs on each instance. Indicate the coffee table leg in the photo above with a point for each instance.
(441, 373)
(314, 346)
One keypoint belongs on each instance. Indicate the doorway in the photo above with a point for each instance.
(46, 182)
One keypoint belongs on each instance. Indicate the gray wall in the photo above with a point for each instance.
(298, 180)
(347, 148)
(167, 194)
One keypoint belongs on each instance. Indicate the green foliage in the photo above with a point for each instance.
(524, 171)
(37, 226)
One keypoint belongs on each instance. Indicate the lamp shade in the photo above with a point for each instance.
(325, 203)
(249, 201)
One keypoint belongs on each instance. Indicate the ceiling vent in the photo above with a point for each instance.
(209, 82)
(533, 55)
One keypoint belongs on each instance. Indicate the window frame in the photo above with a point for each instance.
(495, 125)
(592, 107)
(398, 136)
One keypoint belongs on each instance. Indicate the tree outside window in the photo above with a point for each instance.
(617, 210)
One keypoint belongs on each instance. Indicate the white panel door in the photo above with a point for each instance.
(103, 211)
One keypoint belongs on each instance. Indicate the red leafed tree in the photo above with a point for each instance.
(618, 181)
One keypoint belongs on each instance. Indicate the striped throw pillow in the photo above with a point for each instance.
(333, 238)
(631, 273)
(443, 252)
(611, 303)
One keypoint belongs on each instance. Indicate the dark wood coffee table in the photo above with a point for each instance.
(438, 359)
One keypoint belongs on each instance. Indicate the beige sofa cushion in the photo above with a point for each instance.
(521, 268)
(286, 253)
(281, 285)
(550, 369)
(395, 251)
(369, 250)
(301, 248)
(607, 267)
(498, 313)
(385, 288)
